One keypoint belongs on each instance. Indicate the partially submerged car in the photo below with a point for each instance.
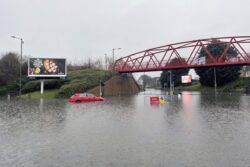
(84, 97)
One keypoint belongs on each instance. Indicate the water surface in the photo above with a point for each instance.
(191, 130)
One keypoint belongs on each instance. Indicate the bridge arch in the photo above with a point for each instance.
(187, 56)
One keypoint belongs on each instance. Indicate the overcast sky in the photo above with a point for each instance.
(78, 29)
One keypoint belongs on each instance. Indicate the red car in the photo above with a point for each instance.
(85, 97)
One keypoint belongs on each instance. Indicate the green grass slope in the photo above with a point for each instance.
(82, 80)
(76, 81)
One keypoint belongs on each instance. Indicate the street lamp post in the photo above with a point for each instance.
(113, 53)
(215, 81)
(20, 77)
(170, 82)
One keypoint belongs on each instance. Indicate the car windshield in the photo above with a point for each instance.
(87, 95)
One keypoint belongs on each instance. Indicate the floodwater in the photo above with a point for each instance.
(192, 130)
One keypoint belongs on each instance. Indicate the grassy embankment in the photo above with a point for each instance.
(76, 81)
(235, 86)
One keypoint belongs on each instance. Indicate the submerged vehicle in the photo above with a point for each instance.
(85, 97)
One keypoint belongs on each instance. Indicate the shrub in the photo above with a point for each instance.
(3, 91)
(31, 86)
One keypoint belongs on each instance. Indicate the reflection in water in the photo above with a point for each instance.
(192, 130)
(187, 101)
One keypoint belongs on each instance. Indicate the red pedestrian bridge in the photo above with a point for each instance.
(186, 55)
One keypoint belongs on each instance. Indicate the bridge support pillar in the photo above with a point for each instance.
(119, 84)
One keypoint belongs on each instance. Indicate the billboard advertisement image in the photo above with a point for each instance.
(47, 67)
(186, 79)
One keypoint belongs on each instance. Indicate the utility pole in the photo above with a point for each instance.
(100, 87)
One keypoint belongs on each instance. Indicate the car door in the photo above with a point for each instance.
(82, 97)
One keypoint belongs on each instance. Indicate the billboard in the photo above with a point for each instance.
(47, 67)
(186, 79)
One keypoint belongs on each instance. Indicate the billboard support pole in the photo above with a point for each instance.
(42, 86)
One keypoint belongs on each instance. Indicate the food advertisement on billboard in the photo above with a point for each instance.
(47, 67)
(186, 79)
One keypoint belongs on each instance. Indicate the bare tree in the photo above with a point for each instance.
(98, 64)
